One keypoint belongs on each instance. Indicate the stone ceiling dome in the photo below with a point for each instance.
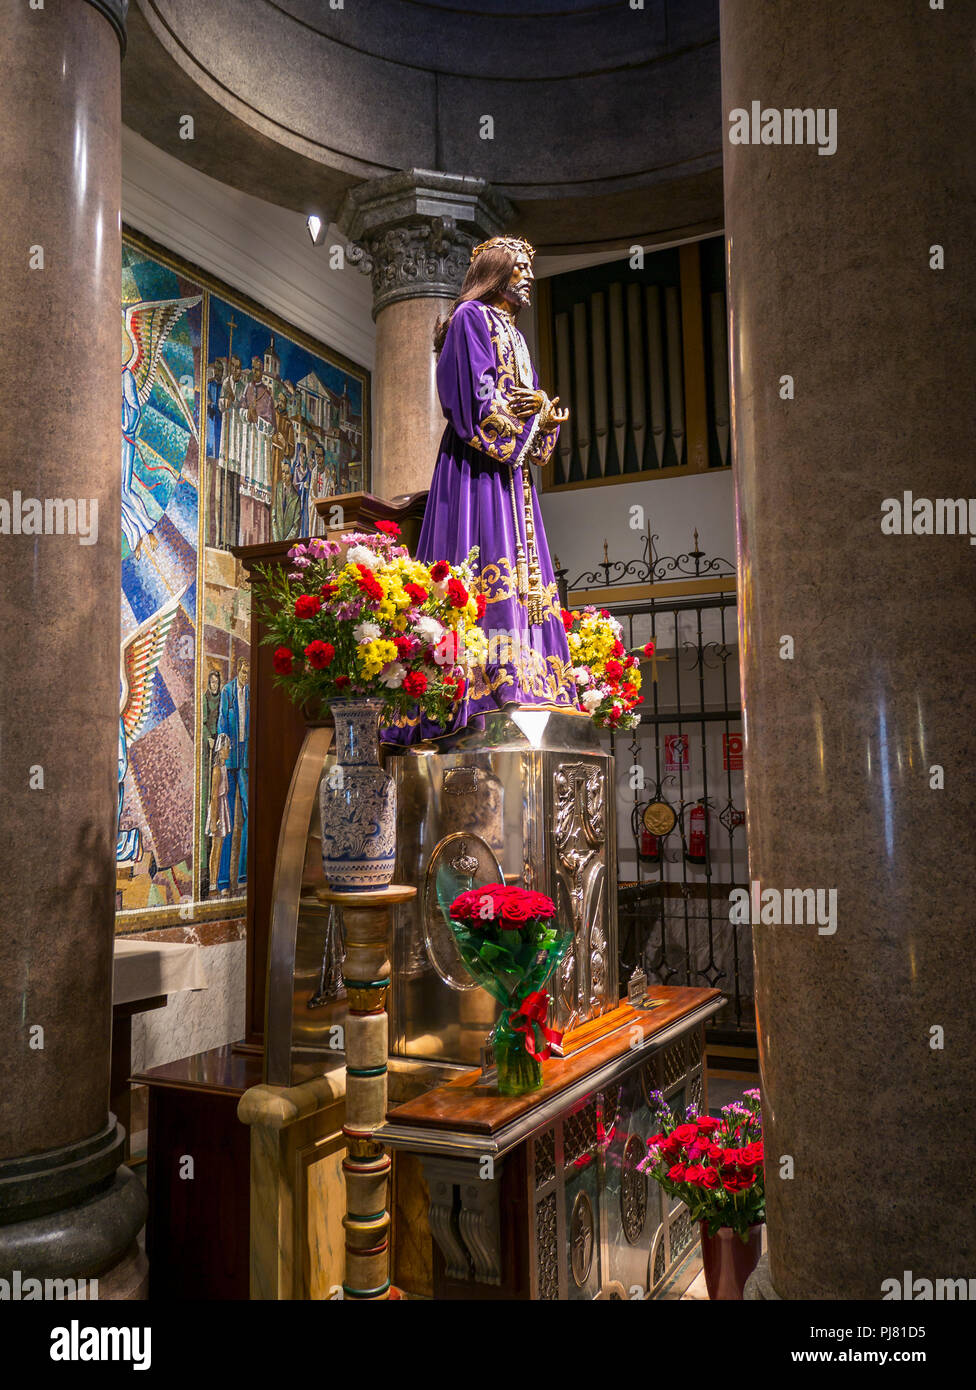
(601, 123)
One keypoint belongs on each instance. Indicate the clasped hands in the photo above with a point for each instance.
(524, 403)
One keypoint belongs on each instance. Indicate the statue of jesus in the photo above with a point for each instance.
(481, 494)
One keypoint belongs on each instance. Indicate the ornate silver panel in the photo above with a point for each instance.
(581, 1238)
(461, 861)
(495, 795)
(545, 1158)
(579, 829)
(547, 1248)
(579, 1133)
(633, 1189)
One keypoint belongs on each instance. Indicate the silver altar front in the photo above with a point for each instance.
(528, 800)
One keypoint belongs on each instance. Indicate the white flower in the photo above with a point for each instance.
(428, 630)
(366, 632)
(581, 675)
(392, 675)
(360, 555)
(590, 699)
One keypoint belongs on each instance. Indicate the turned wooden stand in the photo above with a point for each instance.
(366, 973)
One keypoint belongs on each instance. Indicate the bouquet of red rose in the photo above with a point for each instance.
(715, 1166)
(508, 942)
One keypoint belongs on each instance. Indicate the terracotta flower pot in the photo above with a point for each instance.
(728, 1260)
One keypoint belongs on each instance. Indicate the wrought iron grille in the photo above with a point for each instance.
(682, 764)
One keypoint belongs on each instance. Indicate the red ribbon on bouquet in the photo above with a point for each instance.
(531, 1016)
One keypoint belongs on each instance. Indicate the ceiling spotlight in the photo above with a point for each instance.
(317, 229)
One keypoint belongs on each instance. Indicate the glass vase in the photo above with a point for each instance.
(512, 964)
(518, 1072)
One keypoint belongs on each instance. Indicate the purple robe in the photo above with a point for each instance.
(469, 504)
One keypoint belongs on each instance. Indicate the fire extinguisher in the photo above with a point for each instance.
(648, 844)
(650, 847)
(697, 852)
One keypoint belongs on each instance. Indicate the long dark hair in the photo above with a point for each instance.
(488, 275)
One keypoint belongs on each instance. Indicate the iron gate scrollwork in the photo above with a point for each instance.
(686, 801)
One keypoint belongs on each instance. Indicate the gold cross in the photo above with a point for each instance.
(653, 661)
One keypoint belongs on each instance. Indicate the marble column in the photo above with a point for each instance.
(413, 233)
(852, 353)
(66, 1206)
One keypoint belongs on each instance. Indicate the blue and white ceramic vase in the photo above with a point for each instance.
(358, 803)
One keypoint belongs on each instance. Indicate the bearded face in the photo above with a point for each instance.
(519, 291)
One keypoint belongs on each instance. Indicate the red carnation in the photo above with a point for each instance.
(482, 603)
(567, 619)
(329, 588)
(439, 570)
(457, 594)
(341, 682)
(307, 605)
(648, 649)
(415, 683)
(604, 613)
(283, 661)
(319, 655)
(459, 687)
(368, 583)
(614, 670)
(416, 592)
(618, 648)
(389, 528)
(445, 653)
(406, 646)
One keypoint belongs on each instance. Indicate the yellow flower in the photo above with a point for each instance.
(373, 656)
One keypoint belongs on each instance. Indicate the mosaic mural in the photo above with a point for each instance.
(233, 425)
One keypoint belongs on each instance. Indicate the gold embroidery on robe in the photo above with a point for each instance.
(498, 582)
(497, 433)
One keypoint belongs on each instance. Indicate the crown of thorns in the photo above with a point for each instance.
(511, 243)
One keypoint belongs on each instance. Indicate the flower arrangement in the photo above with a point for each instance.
(507, 940)
(607, 676)
(358, 618)
(715, 1166)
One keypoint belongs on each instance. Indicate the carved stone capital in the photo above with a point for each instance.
(413, 232)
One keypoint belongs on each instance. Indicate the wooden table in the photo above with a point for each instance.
(538, 1196)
